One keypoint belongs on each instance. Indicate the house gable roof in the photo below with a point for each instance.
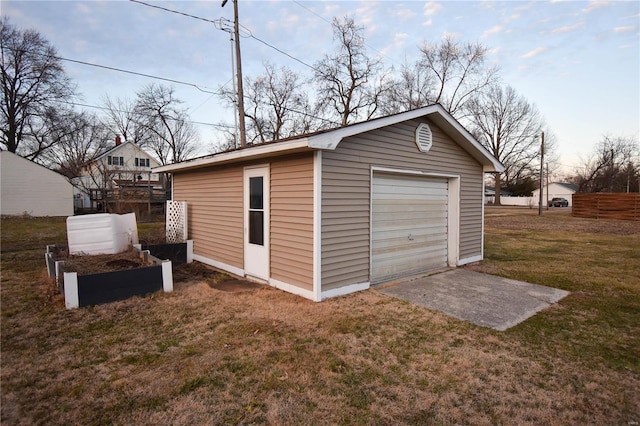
(570, 186)
(116, 148)
(330, 139)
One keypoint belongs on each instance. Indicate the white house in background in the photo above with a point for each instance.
(27, 187)
(555, 189)
(124, 167)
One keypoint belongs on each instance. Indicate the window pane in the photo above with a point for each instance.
(256, 227)
(255, 193)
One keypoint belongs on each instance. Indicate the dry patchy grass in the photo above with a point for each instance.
(205, 356)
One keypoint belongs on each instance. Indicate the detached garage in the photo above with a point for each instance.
(29, 188)
(335, 212)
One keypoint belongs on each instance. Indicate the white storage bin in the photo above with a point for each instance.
(101, 233)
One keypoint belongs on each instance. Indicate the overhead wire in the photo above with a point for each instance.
(171, 80)
(128, 112)
(110, 68)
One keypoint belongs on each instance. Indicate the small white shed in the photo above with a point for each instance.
(555, 189)
(29, 188)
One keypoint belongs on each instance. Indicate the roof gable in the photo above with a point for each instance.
(330, 139)
(122, 146)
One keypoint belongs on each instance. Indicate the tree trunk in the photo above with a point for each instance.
(497, 186)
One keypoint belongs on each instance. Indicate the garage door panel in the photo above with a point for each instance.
(411, 218)
(409, 225)
(399, 238)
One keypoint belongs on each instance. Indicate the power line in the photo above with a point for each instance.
(129, 112)
(173, 11)
(216, 22)
(134, 73)
(283, 52)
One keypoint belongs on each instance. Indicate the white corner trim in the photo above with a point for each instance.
(347, 289)
(453, 221)
(167, 276)
(483, 211)
(293, 289)
(189, 251)
(220, 265)
(71, 299)
(468, 260)
(317, 226)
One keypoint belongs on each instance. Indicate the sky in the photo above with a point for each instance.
(578, 62)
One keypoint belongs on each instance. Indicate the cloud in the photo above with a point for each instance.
(624, 29)
(567, 28)
(451, 34)
(533, 52)
(402, 14)
(428, 23)
(431, 8)
(495, 30)
(595, 4)
(399, 41)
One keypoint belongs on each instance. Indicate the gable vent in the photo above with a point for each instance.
(423, 137)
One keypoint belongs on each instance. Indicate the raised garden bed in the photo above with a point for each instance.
(93, 280)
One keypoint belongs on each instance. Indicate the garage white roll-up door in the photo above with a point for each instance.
(409, 225)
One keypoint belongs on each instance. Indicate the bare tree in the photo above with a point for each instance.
(614, 166)
(508, 127)
(172, 137)
(33, 79)
(449, 73)
(121, 119)
(82, 137)
(350, 83)
(276, 105)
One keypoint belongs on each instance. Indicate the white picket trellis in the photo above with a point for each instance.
(176, 221)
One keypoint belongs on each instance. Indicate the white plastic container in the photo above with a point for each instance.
(101, 233)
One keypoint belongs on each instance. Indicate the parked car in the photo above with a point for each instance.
(558, 202)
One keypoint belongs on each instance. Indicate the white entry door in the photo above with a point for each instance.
(256, 222)
(409, 226)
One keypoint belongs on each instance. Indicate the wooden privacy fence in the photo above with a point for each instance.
(621, 206)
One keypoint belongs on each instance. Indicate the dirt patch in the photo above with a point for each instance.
(101, 263)
(232, 285)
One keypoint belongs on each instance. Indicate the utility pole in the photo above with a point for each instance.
(541, 173)
(224, 25)
(547, 177)
(236, 30)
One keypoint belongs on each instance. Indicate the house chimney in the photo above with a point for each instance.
(118, 140)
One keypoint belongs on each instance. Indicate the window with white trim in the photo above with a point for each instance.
(142, 162)
(115, 161)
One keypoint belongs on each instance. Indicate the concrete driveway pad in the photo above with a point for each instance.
(481, 299)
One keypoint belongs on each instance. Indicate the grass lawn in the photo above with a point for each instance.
(204, 356)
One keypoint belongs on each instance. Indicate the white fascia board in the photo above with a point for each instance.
(331, 139)
(493, 164)
(256, 151)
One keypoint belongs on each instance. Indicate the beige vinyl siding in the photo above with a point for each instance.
(346, 201)
(292, 220)
(215, 212)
